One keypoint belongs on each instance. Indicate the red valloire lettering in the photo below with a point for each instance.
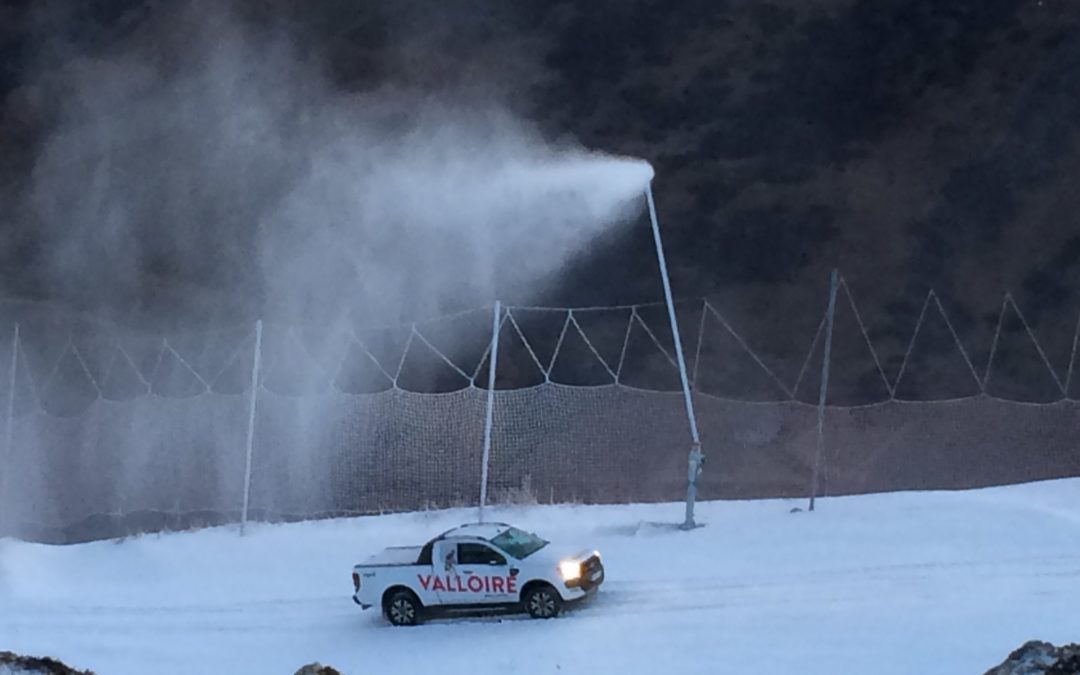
(471, 584)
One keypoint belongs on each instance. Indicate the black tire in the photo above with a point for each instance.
(402, 608)
(542, 602)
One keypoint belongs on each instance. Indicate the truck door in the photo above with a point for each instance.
(437, 565)
(482, 576)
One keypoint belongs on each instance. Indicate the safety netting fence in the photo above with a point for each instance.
(110, 430)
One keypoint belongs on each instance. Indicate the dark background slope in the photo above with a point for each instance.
(914, 144)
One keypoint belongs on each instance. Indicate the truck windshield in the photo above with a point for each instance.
(519, 543)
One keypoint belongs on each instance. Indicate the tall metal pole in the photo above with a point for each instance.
(255, 363)
(9, 424)
(834, 282)
(696, 458)
(489, 415)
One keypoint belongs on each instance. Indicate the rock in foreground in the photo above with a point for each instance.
(317, 669)
(13, 664)
(1041, 658)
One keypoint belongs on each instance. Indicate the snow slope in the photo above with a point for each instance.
(906, 583)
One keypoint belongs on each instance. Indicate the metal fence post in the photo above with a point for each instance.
(255, 363)
(489, 414)
(9, 424)
(823, 391)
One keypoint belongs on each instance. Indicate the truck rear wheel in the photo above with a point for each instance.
(402, 608)
(542, 602)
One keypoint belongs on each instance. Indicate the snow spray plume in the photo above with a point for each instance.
(176, 159)
(202, 168)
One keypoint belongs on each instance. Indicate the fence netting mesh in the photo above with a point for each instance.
(110, 430)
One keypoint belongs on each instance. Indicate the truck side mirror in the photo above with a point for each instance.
(449, 559)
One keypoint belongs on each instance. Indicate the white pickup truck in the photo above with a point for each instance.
(479, 566)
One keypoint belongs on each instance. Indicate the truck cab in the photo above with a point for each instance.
(473, 567)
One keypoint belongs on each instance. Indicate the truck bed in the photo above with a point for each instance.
(394, 555)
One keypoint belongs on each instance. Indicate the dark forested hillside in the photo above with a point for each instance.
(914, 144)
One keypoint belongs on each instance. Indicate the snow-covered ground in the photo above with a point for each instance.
(905, 583)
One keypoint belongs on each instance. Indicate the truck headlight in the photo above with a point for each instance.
(570, 570)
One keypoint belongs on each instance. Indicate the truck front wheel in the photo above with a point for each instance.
(402, 609)
(542, 602)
